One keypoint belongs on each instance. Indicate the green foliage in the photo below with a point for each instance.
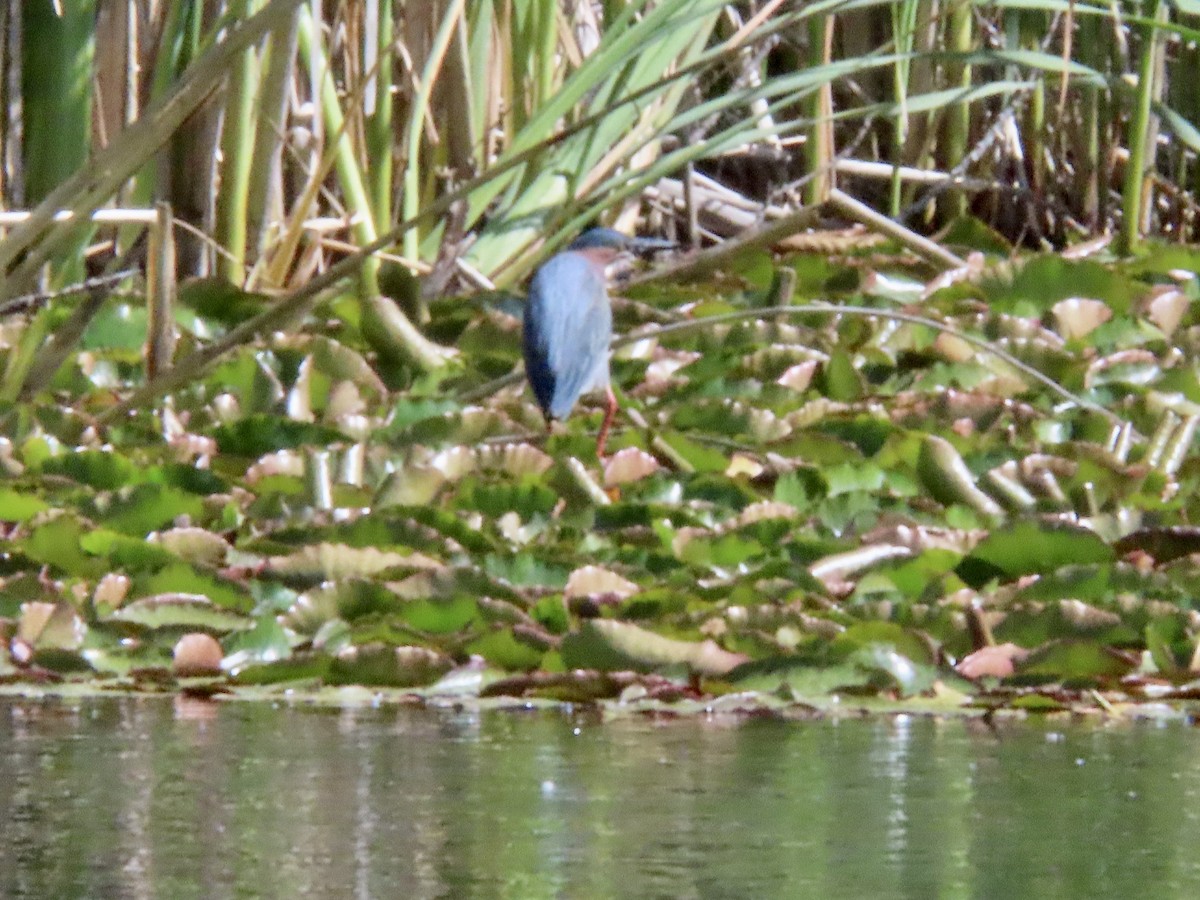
(1028, 547)
(854, 531)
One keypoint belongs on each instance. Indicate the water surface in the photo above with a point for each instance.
(163, 798)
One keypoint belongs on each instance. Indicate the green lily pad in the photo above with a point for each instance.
(258, 435)
(723, 550)
(1048, 278)
(297, 667)
(151, 506)
(501, 649)
(16, 506)
(1031, 546)
(696, 455)
(180, 611)
(440, 616)
(56, 542)
(1075, 659)
(179, 577)
(322, 562)
(840, 380)
(611, 645)
(103, 470)
(380, 664)
(799, 678)
(134, 554)
(265, 642)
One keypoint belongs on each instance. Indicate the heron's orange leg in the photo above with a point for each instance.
(610, 410)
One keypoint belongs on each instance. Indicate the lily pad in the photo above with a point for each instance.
(1032, 546)
(612, 645)
(180, 611)
(1076, 659)
(380, 664)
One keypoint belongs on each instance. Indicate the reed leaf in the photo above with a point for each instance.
(35, 240)
(237, 153)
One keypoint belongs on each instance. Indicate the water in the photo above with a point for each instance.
(177, 799)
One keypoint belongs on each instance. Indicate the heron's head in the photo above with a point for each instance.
(610, 239)
(613, 252)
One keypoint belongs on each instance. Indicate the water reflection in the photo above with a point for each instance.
(180, 798)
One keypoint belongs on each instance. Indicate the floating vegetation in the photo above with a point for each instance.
(862, 515)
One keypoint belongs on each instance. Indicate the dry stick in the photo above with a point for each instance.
(26, 302)
(809, 309)
(881, 171)
(579, 474)
(712, 258)
(855, 209)
(160, 293)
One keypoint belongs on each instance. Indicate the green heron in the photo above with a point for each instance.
(568, 324)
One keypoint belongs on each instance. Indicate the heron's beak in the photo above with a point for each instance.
(644, 246)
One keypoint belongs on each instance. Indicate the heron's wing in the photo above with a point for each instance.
(568, 328)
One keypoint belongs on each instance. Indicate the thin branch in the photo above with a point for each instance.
(26, 302)
(809, 309)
